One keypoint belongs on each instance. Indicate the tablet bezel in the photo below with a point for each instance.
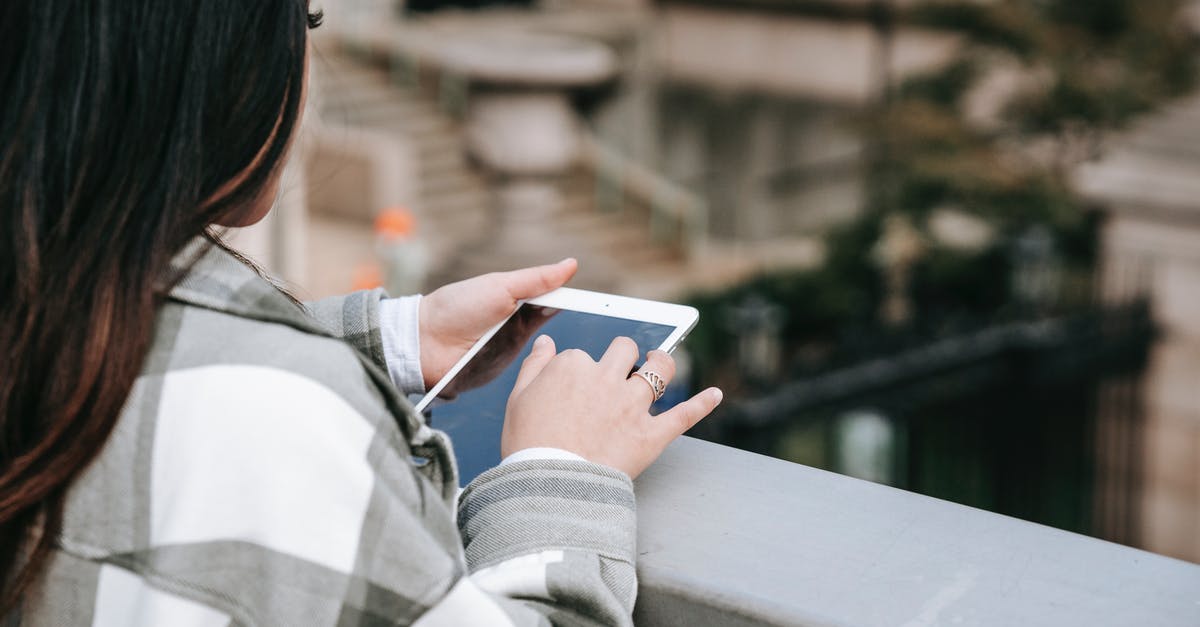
(681, 317)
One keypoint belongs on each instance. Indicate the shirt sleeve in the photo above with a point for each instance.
(400, 328)
(385, 329)
(540, 452)
(354, 318)
(549, 538)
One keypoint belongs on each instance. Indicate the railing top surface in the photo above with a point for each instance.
(670, 198)
(734, 538)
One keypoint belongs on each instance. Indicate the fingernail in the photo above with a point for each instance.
(717, 394)
(566, 261)
(541, 341)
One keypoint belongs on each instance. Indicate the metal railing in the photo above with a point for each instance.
(1113, 338)
(677, 217)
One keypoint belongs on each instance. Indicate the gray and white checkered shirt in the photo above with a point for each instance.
(265, 471)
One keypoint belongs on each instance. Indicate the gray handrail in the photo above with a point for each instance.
(732, 538)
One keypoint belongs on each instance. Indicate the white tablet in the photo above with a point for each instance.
(469, 402)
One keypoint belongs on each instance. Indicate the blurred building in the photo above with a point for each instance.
(683, 145)
(686, 145)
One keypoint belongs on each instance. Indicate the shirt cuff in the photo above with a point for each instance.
(539, 453)
(402, 342)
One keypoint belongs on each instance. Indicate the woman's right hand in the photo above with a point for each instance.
(595, 409)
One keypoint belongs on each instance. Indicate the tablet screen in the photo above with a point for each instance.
(474, 417)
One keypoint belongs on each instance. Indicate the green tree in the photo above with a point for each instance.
(1083, 68)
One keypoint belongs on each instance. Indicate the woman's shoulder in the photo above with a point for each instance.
(222, 314)
(257, 359)
(251, 462)
(241, 430)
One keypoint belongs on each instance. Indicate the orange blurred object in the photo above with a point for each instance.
(396, 222)
(367, 276)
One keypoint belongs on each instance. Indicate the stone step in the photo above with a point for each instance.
(391, 120)
(595, 271)
(447, 181)
(609, 235)
(335, 68)
(337, 91)
(467, 201)
(366, 97)
(384, 112)
(416, 125)
(633, 253)
(436, 149)
(376, 100)
(582, 217)
(443, 156)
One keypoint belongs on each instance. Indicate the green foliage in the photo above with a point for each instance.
(819, 305)
(1110, 59)
(1104, 18)
(947, 283)
(945, 88)
(1090, 66)
(1002, 25)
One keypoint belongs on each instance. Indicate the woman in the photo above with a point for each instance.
(183, 444)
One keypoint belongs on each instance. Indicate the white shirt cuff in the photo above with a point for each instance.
(530, 454)
(400, 322)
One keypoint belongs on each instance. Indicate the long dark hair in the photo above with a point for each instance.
(127, 127)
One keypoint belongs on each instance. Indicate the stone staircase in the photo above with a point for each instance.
(453, 202)
(452, 199)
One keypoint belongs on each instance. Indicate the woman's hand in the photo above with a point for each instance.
(454, 317)
(595, 409)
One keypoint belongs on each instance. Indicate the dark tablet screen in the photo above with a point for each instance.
(474, 416)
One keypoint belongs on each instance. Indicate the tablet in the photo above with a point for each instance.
(469, 402)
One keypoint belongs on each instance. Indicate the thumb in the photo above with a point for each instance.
(531, 282)
(543, 351)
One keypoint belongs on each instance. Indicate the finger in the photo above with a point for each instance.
(531, 282)
(542, 352)
(676, 421)
(657, 362)
(620, 357)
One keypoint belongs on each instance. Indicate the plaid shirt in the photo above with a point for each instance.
(265, 471)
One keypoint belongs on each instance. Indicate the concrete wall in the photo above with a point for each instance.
(752, 110)
(788, 55)
(768, 166)
(1163, 258)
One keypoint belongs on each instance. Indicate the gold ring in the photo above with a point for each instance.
(654, 380)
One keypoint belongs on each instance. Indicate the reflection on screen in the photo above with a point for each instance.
(474, 417)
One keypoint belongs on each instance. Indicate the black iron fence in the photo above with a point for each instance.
(1031, 418)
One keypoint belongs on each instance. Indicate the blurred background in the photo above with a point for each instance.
(949, 246)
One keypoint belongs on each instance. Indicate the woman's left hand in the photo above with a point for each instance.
(454, 317)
